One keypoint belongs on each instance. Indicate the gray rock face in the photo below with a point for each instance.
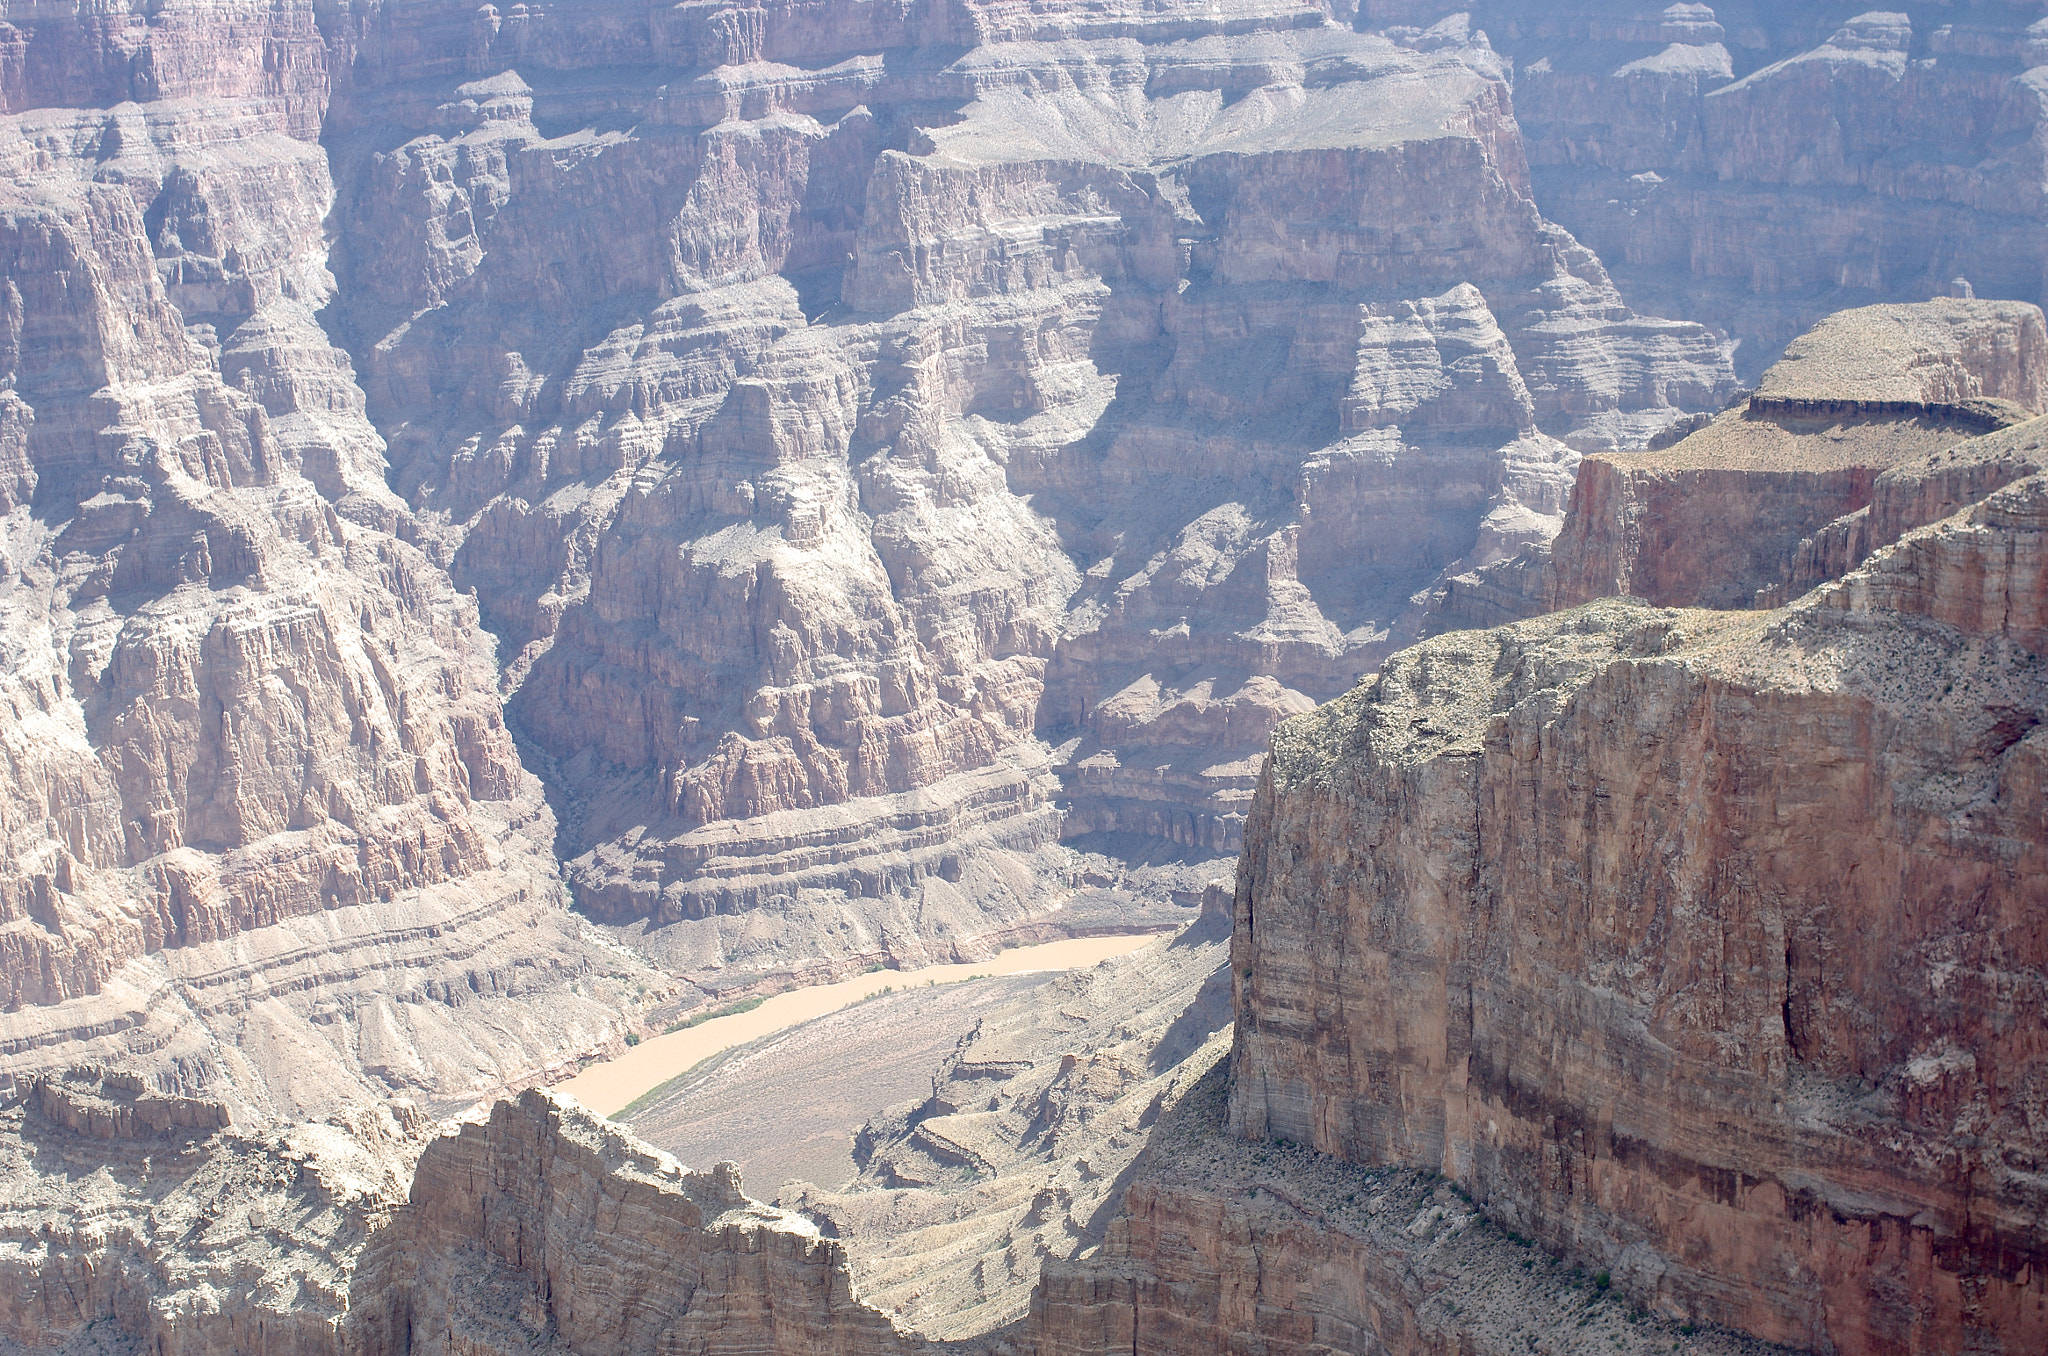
(966, 432)
(1759, 165)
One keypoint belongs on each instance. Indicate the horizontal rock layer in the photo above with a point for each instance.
(547, 1225)
(1699, 946)
(1769, 498)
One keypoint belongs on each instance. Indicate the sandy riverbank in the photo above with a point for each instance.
(610, 1087)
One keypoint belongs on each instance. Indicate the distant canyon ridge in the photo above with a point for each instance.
(782, 477)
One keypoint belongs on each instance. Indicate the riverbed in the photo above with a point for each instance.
(613, 1085)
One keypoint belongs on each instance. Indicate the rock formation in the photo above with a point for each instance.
(1225, 1245)
(549, 1226)
(769, 473)
(964, 441)
(964, 429)
(265, 829)
(1021, 1154)
(1042, 1200)
(133, 1220)
(1703, 947)
(1767, 499)
(1758, 166)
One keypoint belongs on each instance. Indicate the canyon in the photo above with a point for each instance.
(522, 526)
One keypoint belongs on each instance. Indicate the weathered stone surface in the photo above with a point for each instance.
(1758, 165)
(1770, 497)
(189, 1239)
(258, 775)
(1230, 1246)
(881, 439)
(904, 446)
(1703, 947)
(546, 1225)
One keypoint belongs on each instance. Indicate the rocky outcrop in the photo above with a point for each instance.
(548, 1226)
(1770, 497)
(1701, 947)
(129, 1220)
(1913, 494)
(990, 420)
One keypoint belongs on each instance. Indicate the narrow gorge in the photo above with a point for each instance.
(1511, 537)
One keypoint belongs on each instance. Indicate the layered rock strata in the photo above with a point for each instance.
(1745, 508)
(265, 831)
(548, 1226)
(970, 434)
(1225, 1245)
(1702, 947)
(965, 431)
(137, 1221)
(1757, 166)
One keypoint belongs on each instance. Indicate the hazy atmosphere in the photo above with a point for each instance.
(1023, 678)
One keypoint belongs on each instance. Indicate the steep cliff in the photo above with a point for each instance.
(1774, 495)
(1757, 166)
(959, 430)
(1702, 947)
(265, 830)
(883, 441)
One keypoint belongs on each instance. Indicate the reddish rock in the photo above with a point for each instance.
(1702, 947)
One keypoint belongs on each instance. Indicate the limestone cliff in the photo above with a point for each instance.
(265, 830)
(1703, 947)
(1774, 495)
(882, 441)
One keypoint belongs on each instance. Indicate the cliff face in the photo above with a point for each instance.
(549, 1226)
(1773, 163)
(955, 410)
(1699, 946)
(1767, 499)
(1225, 1245)
(860, 427)
(258, 774)
(880, 441)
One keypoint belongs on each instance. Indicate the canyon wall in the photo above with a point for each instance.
(842, 450)
(880, 442)
(549, 1225)
(1772, 163)
(963, 433)
(134, 1220)
(1699, 946)
(265, 828)
(1759, 503)
(877, 443)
